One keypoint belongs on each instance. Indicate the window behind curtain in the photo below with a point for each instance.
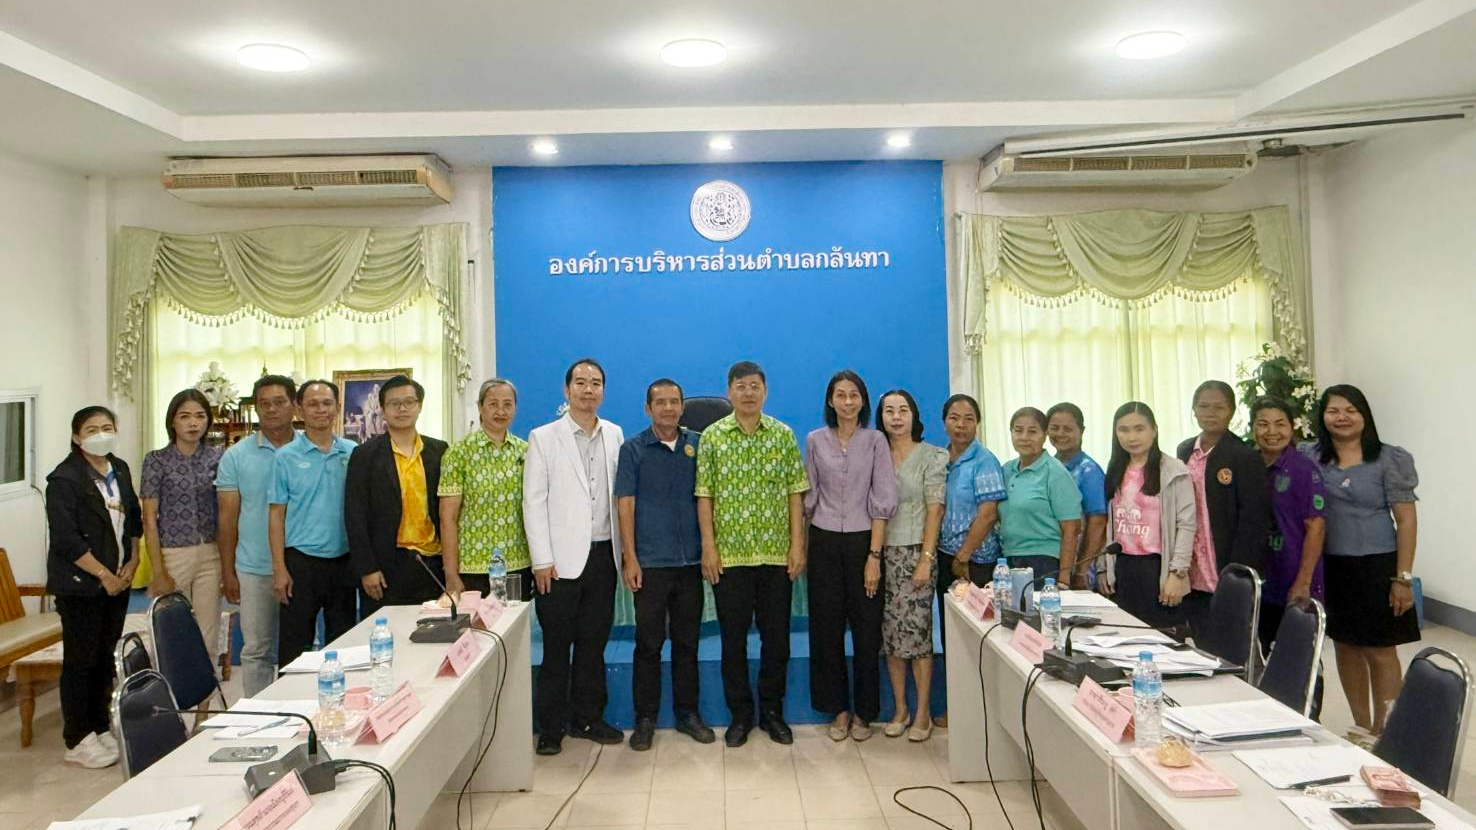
(412, 338)
(1100, 355)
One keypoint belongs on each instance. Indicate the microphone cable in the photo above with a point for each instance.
(1034, 677)
(493, 715)
(344, 764)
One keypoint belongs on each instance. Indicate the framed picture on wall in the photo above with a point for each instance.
(361, 417)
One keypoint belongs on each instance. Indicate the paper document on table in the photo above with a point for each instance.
(180, 819)
(1294, 768)
(1169, 660)
(1085, 599)
(353, 658)
(1316, 814)
(245, 707)
(1116, 639)
(1243, 718)
(1200, 743)
(273, 733)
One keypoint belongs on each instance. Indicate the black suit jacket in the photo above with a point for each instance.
(78, 521)
(1238, 502)
(371, 500)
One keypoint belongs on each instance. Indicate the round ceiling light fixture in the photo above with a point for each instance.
(272, 57)
(545, 147)
(720, 144)
(1149, 45)
(694, 52)
(897, 141)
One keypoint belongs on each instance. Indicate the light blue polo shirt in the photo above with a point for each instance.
(1041, 497)
(247, 468)
(311, 482)
(974, 478)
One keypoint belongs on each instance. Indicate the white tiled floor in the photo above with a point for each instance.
(815, 784)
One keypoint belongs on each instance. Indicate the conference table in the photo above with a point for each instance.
(1098, 779)
(433, 752)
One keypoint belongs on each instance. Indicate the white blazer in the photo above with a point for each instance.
(557, 510)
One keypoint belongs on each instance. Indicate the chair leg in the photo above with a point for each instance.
(25, 692)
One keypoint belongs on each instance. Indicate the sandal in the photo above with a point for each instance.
(840, 733)
(895, 728)
(860, 730)
(918, 734)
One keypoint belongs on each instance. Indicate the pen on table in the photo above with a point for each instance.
(1318, 782)
(268, 725)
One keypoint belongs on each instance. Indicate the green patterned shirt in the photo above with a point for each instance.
(489, 480)
(750, 479)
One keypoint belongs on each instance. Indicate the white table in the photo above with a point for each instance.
(432, 753)
(1102, 784)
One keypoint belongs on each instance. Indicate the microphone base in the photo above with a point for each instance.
(440, 629)
(316, 769)
(1073, 668)
(1011, 617)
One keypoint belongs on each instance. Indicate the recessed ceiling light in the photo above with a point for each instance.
(899, 140)
(1149, 45)
(694, 52)
(720, 144)
(545, 147)
(272, 57)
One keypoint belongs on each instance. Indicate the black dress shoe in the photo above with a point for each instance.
(778, 730)
(737, 734)
(692, 726)
(599, 732)
(640, 739)
(550, 743)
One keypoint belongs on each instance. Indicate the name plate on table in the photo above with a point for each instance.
(276, 809)
(979, 602)
(1031, 644)
(1105, 710)
(460, 656)
(488, 611)
(386, 719)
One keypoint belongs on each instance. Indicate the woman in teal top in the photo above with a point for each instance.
(1040, 521)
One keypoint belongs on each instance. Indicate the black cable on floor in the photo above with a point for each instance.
(492, 715)
(984, 699)
(927, 817)
(1034, 677)
(389, 780)
(599, 750)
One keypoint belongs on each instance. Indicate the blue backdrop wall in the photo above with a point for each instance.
(840, 266)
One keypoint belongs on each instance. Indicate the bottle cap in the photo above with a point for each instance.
(1145, 655)
(1050, 582)
(330, 655)
(381, 620)
(1004, 561)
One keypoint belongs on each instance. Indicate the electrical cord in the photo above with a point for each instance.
(1034, 677)
(599, 751)
(343, 765)
(984, 699)
(927, 817)
(492, 715)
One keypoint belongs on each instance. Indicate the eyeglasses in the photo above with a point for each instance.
(402, 404)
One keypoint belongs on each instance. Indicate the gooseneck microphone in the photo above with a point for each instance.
(439, 629)
(318, 770)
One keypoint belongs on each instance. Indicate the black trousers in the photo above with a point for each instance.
(743, 595)
(980, 575)
(1137, 590)
(576, 614)
(91, 627)
(406, 583)
(669, 604)
(837, 592)
(318, 584)
(482, 583)
(1196, 606)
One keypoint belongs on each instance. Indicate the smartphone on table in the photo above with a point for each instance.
(1382, 818)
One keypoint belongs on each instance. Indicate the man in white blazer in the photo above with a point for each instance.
(574, 540)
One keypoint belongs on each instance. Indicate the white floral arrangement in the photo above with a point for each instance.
(1273, 372)
(218, 389)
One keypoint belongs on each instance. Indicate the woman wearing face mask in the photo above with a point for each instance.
(1371, 525)
(94, 522)
(1230, 499)
(180, 512)
(1040, 522)
(1150, 504)
(1065, 426)
(1298, 506)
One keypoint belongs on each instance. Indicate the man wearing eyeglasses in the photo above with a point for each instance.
(390, 505)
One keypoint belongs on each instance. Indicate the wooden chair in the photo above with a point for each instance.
(22, 634)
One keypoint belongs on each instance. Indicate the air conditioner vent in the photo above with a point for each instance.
(1100, 163)
(347, 178)
(264, 180)
(1043, 165)
(1217, 162)
(1004, 171)
(199, 180)
(388, 177)
(318, 181)
(1159, 162)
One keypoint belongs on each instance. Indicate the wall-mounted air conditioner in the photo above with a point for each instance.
(1001, 170)
(310, 181)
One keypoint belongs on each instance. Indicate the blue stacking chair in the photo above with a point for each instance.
(180, 649)
(130, 657)
(1235, 614)
(1426, 732)
(1291, 668)
(145, 735)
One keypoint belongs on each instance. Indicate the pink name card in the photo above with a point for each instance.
(488, 611)
(460, 656)
(979, 601)
(276, 809)
(1103, 709)
(1030, 644)
(468, 599)
(386, 719)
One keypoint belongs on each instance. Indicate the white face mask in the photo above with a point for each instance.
(99, 443)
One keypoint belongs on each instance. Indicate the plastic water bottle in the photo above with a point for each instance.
(1050, 611)
(381, 660)
(332, 718)
(1147, 702)
(1001, 586)
(497, 575)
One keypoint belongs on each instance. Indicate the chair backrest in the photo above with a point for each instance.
(10, 601)
(131, 656)
(144, 735)
(698, 413)
(1426, 732)
(1291, 668)
(180, 649)
(1235, 613)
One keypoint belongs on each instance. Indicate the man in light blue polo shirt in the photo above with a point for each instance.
(310, 563)
(242, 482)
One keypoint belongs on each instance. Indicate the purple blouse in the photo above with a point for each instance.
(849, 487)
(185, 488)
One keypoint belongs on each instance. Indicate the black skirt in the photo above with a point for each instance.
(1138, 587)
(1358, 611)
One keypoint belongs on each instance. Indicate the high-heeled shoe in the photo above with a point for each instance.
(895, 728)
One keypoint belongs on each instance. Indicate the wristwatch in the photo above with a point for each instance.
(1403, 577)
(1179, 572)
(927, 554)
(874, 554)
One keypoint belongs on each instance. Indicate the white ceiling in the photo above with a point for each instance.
(118, 87)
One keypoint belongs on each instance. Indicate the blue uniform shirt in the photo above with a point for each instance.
(247, 468)
(976, 477)
(1091, 482)
(310, 482)
(663, 482)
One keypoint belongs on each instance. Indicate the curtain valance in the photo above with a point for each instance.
(1132, 256)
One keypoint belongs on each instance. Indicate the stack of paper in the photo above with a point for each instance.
(1316, 814)
(173, 820)
(1231, 724)
(353, 658)
(1124, 652)
(1301, 767)
(1084, 602)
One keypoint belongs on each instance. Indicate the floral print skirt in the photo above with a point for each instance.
(907, 616)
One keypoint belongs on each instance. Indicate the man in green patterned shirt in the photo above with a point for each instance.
(750, 482)
(481, 495)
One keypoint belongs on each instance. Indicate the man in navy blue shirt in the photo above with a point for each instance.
(654, 488)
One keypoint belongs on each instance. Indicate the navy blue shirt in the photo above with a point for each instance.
(662, 481)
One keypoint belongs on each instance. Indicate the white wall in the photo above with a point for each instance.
(46, 336)
(1401, 211)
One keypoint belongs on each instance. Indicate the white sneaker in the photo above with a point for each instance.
(91, 754)
(108, 741)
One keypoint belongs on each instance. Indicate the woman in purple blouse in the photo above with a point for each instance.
(853, 491)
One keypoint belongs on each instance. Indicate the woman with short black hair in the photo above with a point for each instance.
(94, 523)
